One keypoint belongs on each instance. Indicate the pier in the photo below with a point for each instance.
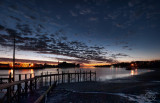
(15, 91)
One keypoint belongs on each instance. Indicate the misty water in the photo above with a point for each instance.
(103, 73)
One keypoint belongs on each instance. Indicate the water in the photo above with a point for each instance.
(103, 73)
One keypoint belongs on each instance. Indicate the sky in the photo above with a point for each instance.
(80, 31)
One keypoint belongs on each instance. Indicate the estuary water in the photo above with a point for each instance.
(103, 73)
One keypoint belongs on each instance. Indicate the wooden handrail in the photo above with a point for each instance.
(24, 74)
(45, 93)
(4, 74)
(31, 83)
(4, 86)
(61, 74)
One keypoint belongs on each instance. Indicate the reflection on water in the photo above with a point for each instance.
(134, 72)
(32, 70)
(103, 73)
(10, 72)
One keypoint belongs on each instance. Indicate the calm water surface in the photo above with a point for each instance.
(103, 74)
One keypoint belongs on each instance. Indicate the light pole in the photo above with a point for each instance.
(14, 43)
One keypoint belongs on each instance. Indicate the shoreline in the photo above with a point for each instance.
(128, 89)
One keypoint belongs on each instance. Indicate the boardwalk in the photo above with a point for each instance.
(13, 92)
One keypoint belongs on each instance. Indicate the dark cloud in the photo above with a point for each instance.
(93, 18)
(85, 11)
(41, 26)
(59, 46)
(15, 18)
(124, 47)
(127, 47)
(25, 61)
(2, 27)
(119, 25)
(119, 55)
(73, 13)
(25, 29)
(32, 17)
(11, 32)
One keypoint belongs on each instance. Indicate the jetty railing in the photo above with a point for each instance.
(13, 91)
(43, 97)
(7, 78)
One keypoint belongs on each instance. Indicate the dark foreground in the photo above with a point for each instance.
(143, 88)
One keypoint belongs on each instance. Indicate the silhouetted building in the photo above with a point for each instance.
(141, 64)
(4, 66)
(66, 65)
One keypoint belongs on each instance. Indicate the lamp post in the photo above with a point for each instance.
(14, 58)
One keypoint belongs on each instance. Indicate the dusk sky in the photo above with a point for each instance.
(80, 31)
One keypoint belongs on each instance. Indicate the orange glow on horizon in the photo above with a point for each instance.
(32, 64)
(95, 64)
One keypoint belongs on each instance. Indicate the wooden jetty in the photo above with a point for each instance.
(14, 90)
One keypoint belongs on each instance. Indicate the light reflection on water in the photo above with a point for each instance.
(103, 73)
(134, 72)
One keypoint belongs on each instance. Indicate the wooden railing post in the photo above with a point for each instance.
(31, 83)
(75, 76)
(62, 76)
(10, 78)
(19, 84)
(54, 78)
(19, 92)
(83, 75)
(19, 77)
(58, 76)
(9, 94)
(42, 78)
(35, 82)
(71, 77)
(50, 80)
(68, 78)
(78, 77)
(47, 78)
(95, 75)
(86, 75)
(26, 84)
(90, 76)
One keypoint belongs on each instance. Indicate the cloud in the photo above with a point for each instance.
(85, 11)
(73, 13)
(15, 18)
(124, 47)
(41, 26)
(127, 47)
(58, 17)
(30, 17)
(25, 60)
(93, 18)
(25, 29)
(56, 24)
(72, 60)
(119, 55)
(2, 27)
(130, 4)
(48, 44)
(119, 25)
